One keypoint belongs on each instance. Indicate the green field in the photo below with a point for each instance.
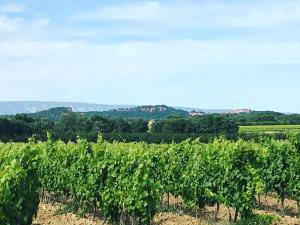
(269, 128)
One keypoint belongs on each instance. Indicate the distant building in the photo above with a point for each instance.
(195, 113)
(239, 111)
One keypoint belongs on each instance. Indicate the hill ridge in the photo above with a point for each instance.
(17, 107)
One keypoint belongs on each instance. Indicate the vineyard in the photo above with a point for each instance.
(269, 128)
(126, 182)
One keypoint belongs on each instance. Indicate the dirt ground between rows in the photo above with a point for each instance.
(47, 215)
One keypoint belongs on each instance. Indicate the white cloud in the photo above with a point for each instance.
(12, 8)
(21, 25)
(141, 11)
(20, 28)
(39, 23)
(89, 70)
(9, 24)
(100, 32)
(268, 14)
(126, 72)
(201, 13)
(134, 60)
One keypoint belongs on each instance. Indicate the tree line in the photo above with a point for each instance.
(264, 118)
(72, 125)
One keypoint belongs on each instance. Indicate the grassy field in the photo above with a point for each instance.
(268, 128)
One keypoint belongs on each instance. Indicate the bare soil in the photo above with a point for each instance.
(47, 214)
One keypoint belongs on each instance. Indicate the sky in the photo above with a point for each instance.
(217, 54)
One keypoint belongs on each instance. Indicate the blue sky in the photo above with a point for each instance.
(206, 54)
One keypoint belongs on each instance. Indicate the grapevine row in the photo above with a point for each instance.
(19, 183)
(126, 182)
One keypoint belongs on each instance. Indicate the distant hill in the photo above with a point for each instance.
(142, 112)
(17, 107)
(189, 109)
(242, 117)
(53, 114)
(139, 112)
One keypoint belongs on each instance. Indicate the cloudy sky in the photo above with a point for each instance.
(201, 53)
